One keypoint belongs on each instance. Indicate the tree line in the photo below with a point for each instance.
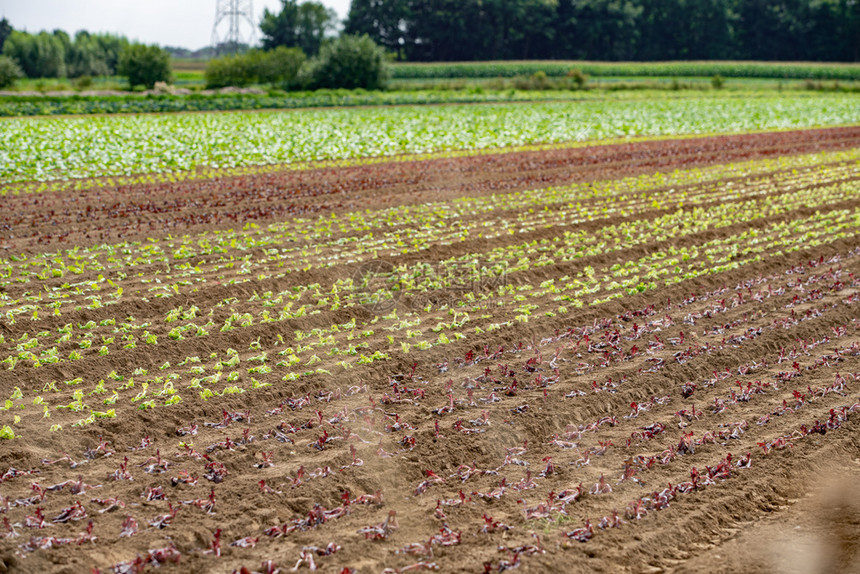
(301, 50)
(58, 55)
(466, 30)
(615, 30)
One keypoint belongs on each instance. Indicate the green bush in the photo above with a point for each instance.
(348, 62)
(231, 71)
(278, 67)
(576, 76)
(83, 82)
(573, 80)
(145, 65)
(540, 81)
(9, 72)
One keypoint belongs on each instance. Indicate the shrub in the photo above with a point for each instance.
(145, 65)
(348, 62)
(540, 81)
(577, 77)
(537, 81)
(717, 82)
(83, 82)
(235, 71)
(573, 80)
(9, 72)
(278, 67)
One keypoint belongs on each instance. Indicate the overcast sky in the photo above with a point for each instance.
(184, 23)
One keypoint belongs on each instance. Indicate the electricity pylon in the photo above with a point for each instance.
(236, 13)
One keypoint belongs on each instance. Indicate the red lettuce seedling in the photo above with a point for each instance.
(129, 527)
(37, 521)
(215, 547)
(110, 504)
(382, 530)
(416, 566)
(601, 486)
(122, 472)
(583, 534)
(267, 489)
(164, 520)
(247, 542)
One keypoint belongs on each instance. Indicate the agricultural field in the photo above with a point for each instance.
(727, 69)
(581, 336)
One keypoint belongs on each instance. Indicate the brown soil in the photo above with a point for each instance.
(554, 389)
(104, 214)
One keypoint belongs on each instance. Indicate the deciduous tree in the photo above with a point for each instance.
(145, 65)
(298, 25)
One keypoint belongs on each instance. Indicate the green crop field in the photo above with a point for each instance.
(781, 70)
(62, 147)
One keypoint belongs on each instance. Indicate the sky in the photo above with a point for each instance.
(181, 23)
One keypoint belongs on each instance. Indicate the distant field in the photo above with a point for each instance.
(616, 83)
(74, 147)
(53, 104)
(784, 70)
(556, 68)
(189, 64)
(446, 83)
(520, 75)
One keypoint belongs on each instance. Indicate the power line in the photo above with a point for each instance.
(235, 13)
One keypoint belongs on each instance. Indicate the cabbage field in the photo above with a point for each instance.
(614, 336)
(58, 148)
